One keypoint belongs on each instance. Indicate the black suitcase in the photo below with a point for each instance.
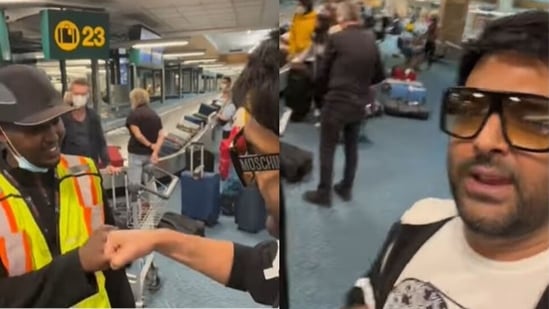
(298, 94)
(295, 163)
(181, 223)
(207, 110)
(209, 160)
(169, 148)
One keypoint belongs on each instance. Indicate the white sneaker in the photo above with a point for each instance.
(317, 125)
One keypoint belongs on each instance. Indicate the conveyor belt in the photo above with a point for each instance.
(170, 118)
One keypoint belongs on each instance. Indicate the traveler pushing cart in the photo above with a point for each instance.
(144, 213)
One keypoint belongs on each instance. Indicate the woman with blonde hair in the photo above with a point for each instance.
(146, 137)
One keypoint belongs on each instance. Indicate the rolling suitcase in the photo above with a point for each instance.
(181, 223)
(200, 192)
(250, 212)
(295, 163)
(194, 158)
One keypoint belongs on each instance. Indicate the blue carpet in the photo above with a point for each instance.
(328, 249)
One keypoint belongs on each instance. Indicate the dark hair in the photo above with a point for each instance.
(524, 33)
(227, 79)
(308, 4)
(258, 83)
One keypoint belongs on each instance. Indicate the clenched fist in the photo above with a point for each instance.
(92, 254)
(125, 246)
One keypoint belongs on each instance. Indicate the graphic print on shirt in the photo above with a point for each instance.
(415, 294)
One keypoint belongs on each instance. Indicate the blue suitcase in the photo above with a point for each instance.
(398, 91)
(250, 211)
(417, 94)
(200, 192)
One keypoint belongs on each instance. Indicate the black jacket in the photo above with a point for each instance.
(350, 65)
(63, 282)
(96, 138)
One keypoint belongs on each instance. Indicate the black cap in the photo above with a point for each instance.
(27, 97)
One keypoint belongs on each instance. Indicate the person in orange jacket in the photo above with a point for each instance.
(302, 28)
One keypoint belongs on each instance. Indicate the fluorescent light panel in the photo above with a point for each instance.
(146, 44)
(185, 54)
(208, 66)
(210, 60)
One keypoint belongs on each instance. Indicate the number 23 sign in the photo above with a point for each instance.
(73, 35)
(68, 38)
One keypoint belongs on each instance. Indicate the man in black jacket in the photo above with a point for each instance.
(489, 247)
(350, 65)
(84, 132)
(31, 132)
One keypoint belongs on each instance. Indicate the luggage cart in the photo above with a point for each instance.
(144, 213)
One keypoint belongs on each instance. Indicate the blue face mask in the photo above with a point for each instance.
(24, 164)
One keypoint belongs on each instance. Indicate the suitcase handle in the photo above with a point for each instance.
(166, 194)
(198, 172)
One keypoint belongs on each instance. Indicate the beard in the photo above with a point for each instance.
(516, 217)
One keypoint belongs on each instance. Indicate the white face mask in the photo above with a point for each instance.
(79, 100)
(300, 9)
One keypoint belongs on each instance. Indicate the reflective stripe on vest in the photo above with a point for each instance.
(88, 199)
(22, 238)
(14, 245)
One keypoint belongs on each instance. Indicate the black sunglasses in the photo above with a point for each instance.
(247, 163)
(524, 117)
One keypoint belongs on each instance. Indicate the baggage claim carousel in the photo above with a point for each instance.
(175, 162)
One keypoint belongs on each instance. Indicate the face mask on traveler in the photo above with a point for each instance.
(22, 162)
(300, 9)
(79, 100)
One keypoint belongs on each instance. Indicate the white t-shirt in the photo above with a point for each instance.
(447, 273)
(228, 112)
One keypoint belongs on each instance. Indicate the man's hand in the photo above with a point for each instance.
(112, 170)
(125, 246)
(92, 254)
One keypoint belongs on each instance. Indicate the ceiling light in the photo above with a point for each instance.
(208, 66)
(200, 61)
(160, 44)
(185, 54)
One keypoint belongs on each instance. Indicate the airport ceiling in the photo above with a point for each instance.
(217, 26)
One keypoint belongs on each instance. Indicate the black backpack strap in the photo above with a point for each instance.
(402, 243)
(544, 301)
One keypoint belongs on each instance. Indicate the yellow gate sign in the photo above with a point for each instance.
(67, 35)
(75, 35)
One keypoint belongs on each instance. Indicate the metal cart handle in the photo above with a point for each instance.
(166, 194)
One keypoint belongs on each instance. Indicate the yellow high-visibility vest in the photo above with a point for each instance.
(23, 247)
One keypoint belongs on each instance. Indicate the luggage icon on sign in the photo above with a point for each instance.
(67, 35)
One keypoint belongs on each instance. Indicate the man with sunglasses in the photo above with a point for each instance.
(489, 248)
(254, 153)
